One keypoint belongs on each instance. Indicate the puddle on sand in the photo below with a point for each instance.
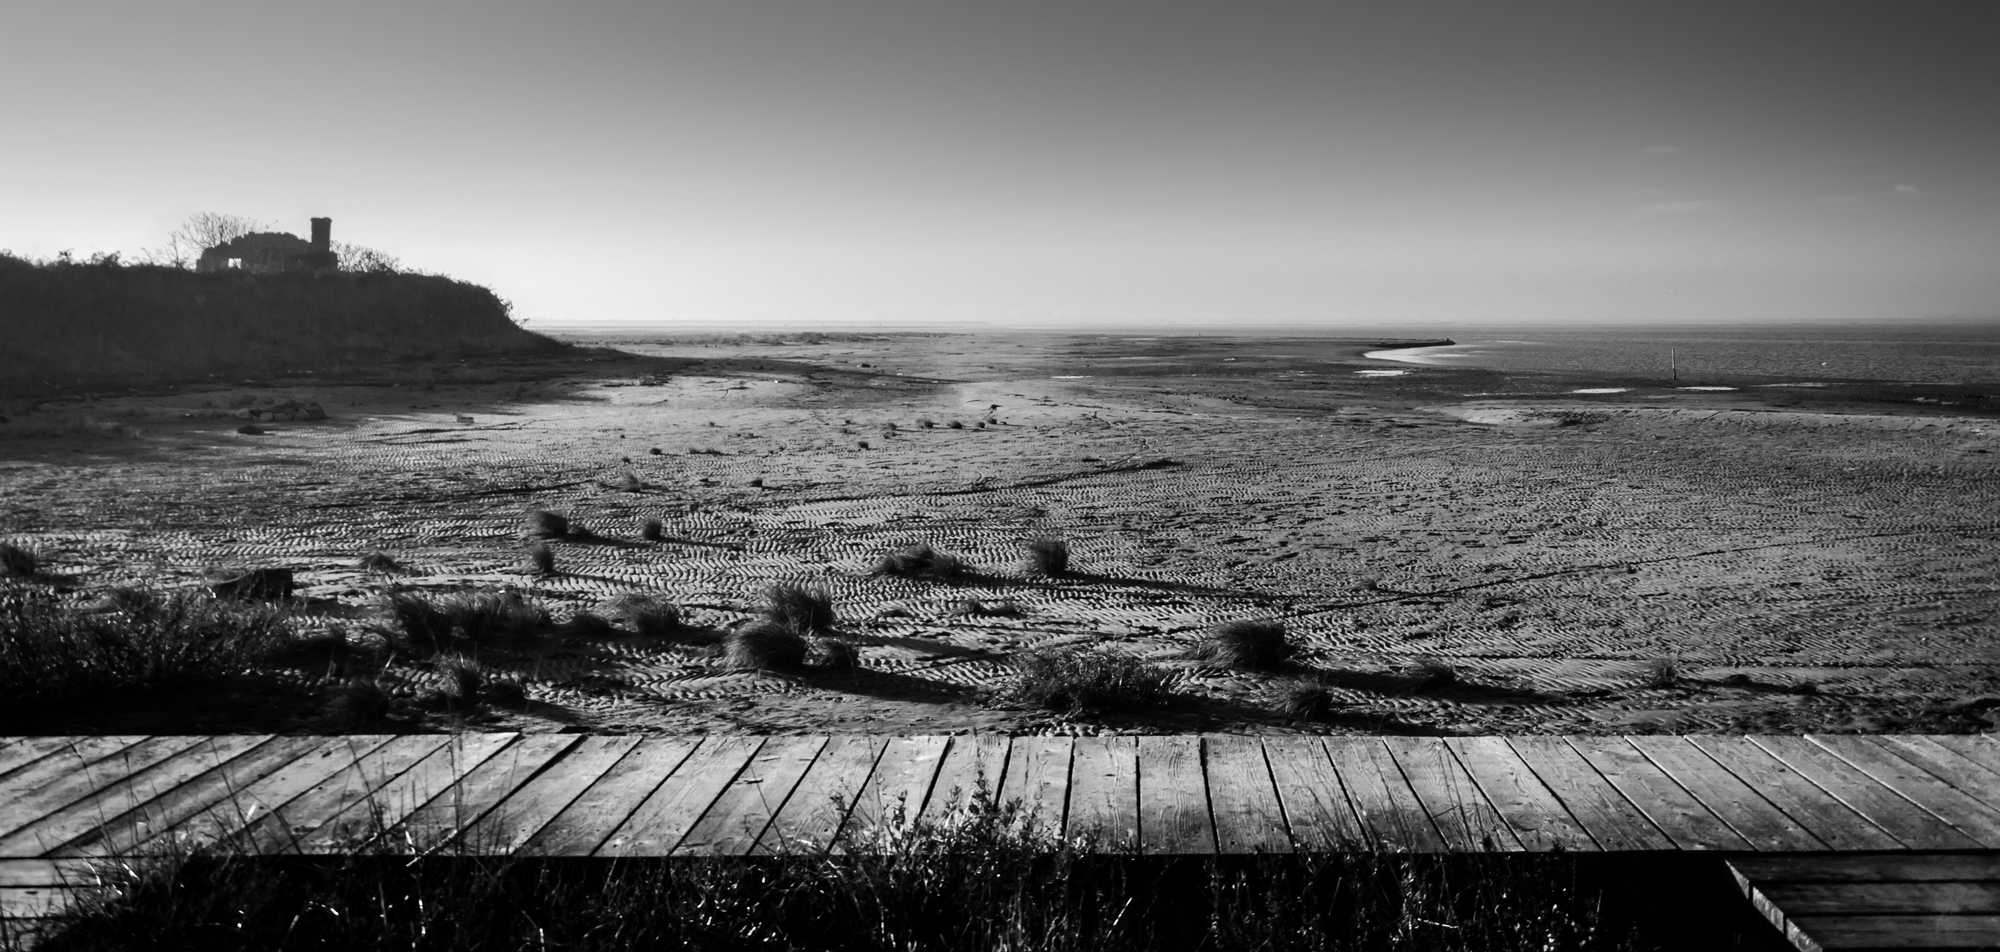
(1704, 388)
(1381, 373)
(1602, 390)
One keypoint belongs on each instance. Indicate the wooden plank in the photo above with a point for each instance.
(1173, 798)
(1675, 811)
(1104, 792)
(895, 793)
(26, 806)
(1745, 810)
(1869, 868)
(1950, 766)
(1394, 818)
(1877, 899)
(1895, 932)
(74, 755)
(57, 872)
(1537, 818)
(19, 752)
(251, 804)
(1038, 781)
(1909, 823)
(973, 770)
(533, 804)
(1464, 817)
(1592, 801)
(1979, 750)
(1821, 814)
(1316, 803)
(587, 822)
(1970, 816)
(40, 902)
(1243, 799)
(110, 800)
(733, 823)
(283, 829)
(666, 815)
(820, 804)
(126, 833)
(437, 823)
(367, 821)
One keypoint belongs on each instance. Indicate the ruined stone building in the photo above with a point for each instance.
(272, 252)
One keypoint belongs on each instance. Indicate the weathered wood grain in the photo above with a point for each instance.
(1972, 817)
(973, 768)
(1746, 811)
(1395, 818)
(1464, 817)
(1676, 812)
(282, 829)
(437, 823)
(124, 833)
(1243, 799)
(254, 803)
(1909, 823)
(1173, 797)
(1531, 811)
(666, 815)
(1038, 778)
(1895, 932)
(816, 810)
(895, 792)
(19, 752)
(523, 812)
(113, 799)
(1104, 792)
(589, 820)
(732, 824)
(1942, 762)
(362, 822)
(1612, 822)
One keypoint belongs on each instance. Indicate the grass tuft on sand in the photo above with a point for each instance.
(1304, 698)
(1249, 645)
(359, 705)
(800, 609)
(543, 524)
(921, 561)
(542, 558)
(1048, 556)
(833, 654)
(50, 651)
(428, 624)
(380, 562)
(765, 645)
(1078, 681)
(648, 615)
(17, 562)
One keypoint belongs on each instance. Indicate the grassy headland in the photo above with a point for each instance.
(103, 323)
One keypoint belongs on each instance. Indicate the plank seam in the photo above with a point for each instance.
(1746, 784)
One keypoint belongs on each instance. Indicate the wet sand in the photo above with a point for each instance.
(1803, 558)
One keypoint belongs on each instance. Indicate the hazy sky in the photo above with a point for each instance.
(1149, 163)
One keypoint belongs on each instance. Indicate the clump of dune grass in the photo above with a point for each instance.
(586, 625)
(626, 481)
(1252, 645)
(921, 561)
(648, 615)
(994, 608)
(17, 562)
(977, 877)
(380, 562)
(1662, 672)
(652, 529)
(463, 619)
(861, 443)
(543, 524)
(955, 425)
(833, 654)
(1433, 673)
(461, 679)
(360, 704)
(51, 651)
(800, 609)
(1087, 681)
(1304, 698)
(1048, 555)
(926, 422)
(543, 558)
(764, 645)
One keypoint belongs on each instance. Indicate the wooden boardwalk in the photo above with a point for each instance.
(65, 801)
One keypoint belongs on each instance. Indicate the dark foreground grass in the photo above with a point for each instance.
(50, 651)
(977, 881)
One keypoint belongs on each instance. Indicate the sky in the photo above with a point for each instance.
(1079, 163)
